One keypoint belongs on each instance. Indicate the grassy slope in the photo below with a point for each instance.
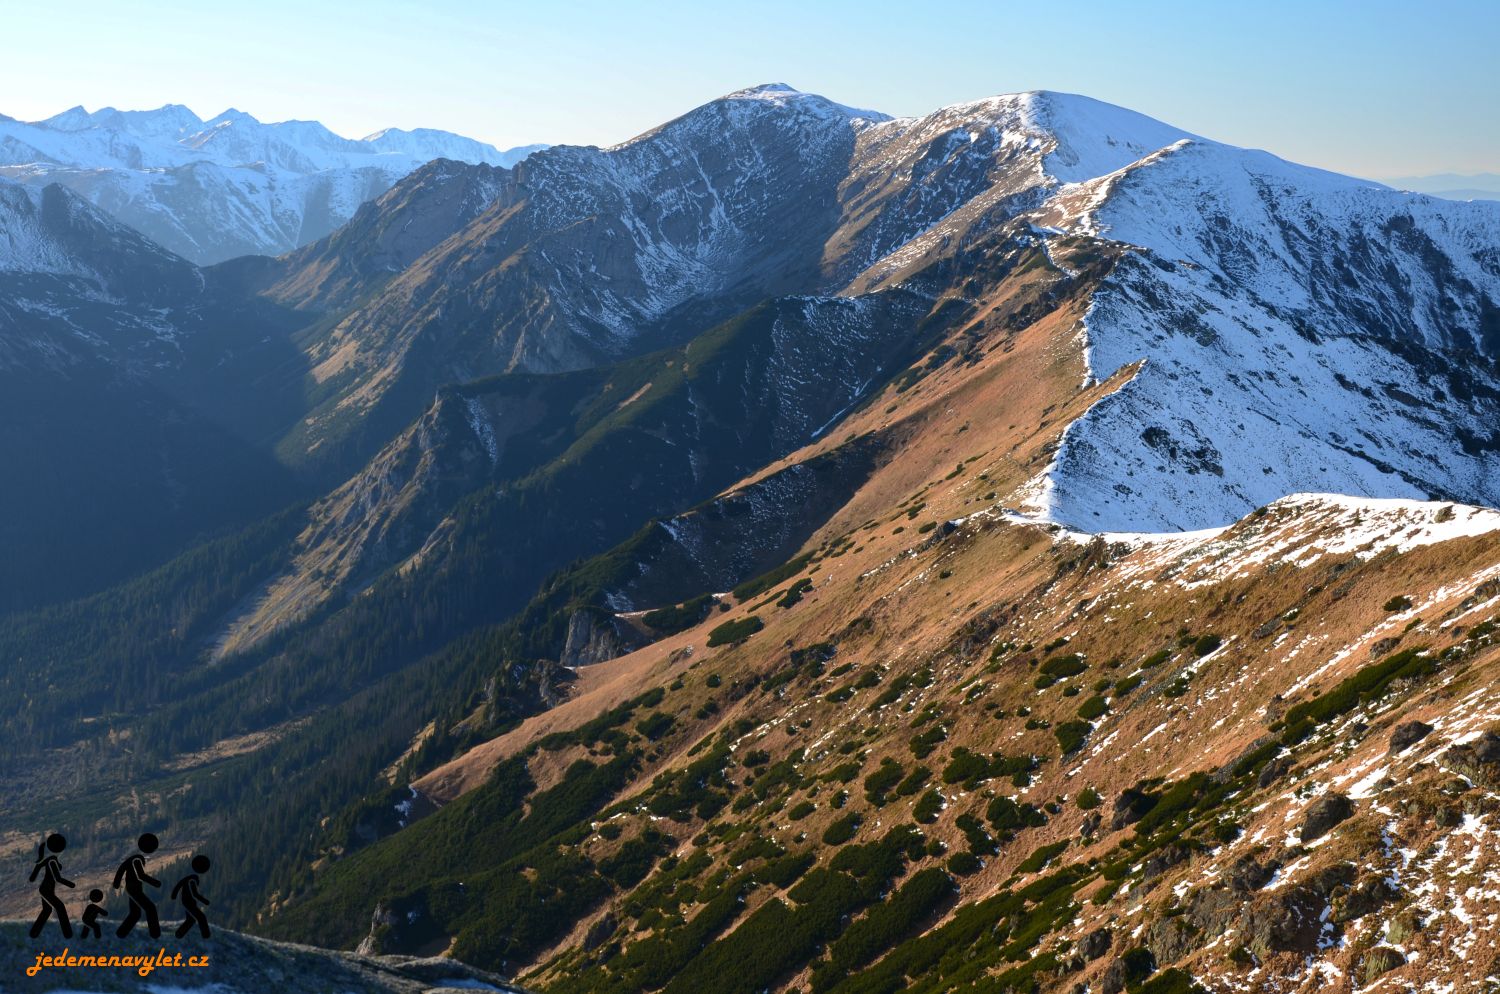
(762, 804)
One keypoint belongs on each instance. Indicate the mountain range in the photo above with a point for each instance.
(228, 186)
(1452, 186)
(796, 548)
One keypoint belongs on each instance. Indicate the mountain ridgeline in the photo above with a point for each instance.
(760, 555)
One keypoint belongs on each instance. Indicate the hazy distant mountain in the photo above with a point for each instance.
(229, 186)
(1452, 186)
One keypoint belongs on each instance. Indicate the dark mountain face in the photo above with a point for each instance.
(137, 395)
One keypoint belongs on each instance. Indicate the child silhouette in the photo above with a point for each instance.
(132, 873)
(93, 913)
(186, 891)
(51, 871)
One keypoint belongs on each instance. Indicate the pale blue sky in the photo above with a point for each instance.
(1376, 88)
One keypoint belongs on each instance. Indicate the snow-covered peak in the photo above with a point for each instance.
(782, 95)
(1079, 138)
(1093, 137)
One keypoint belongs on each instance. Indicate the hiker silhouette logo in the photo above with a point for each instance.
(132, 880)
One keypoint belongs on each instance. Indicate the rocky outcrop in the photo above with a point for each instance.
(596, 636)
(1095, 944)
(1289, 920)
(1377, 962)
(1368, 895)
(1130, 807)
(1408, 734)
(1323, 814)
(1478, 760)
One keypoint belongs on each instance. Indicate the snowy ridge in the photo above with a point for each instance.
(1298, 530)
(1302, 331)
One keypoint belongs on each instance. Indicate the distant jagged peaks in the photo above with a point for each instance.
(231, 185)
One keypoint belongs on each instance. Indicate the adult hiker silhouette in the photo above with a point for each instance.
(132, 873)
(186, 891)
(51, 871)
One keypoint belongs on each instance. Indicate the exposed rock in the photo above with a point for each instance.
(1324, 813)
(1384, 647)
(1163, 860)
(1095, 944)
(1331, 878)
(599, 932)
(1378, 961)
(1368, 895)
(1408, 734)
(1114, 979)
(1089, 827)
(1404, 927)
(1247, 874)
(382, 920)
(594, 637)
(1478, 760)
(1289, 920)
(1170, 939)
(1130, 807)
(1128, 969)
(1274, 771)
(1214, 910)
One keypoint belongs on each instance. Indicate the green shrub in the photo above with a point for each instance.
(1089, 799)
(980, 841)
(1005, 815)
(842, 830)
(882, 781)
(655, 725)
(1059, 668)
(681, 617)
(1173, 981)
(913, 782)
(1156, 659)
(928, 807)
(1071, 735)
(1206, 644)
(965, 765)
(764, 582)
(1368, 684)
(794, 593)
(733, 632)
(884, 926)
(964, 863)
(1094, 707)
(844, 772)
(923, 744)
(1041, 856)
(801, 810)
(1397, 604)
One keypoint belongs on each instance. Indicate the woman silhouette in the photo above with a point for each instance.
(51, 871)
